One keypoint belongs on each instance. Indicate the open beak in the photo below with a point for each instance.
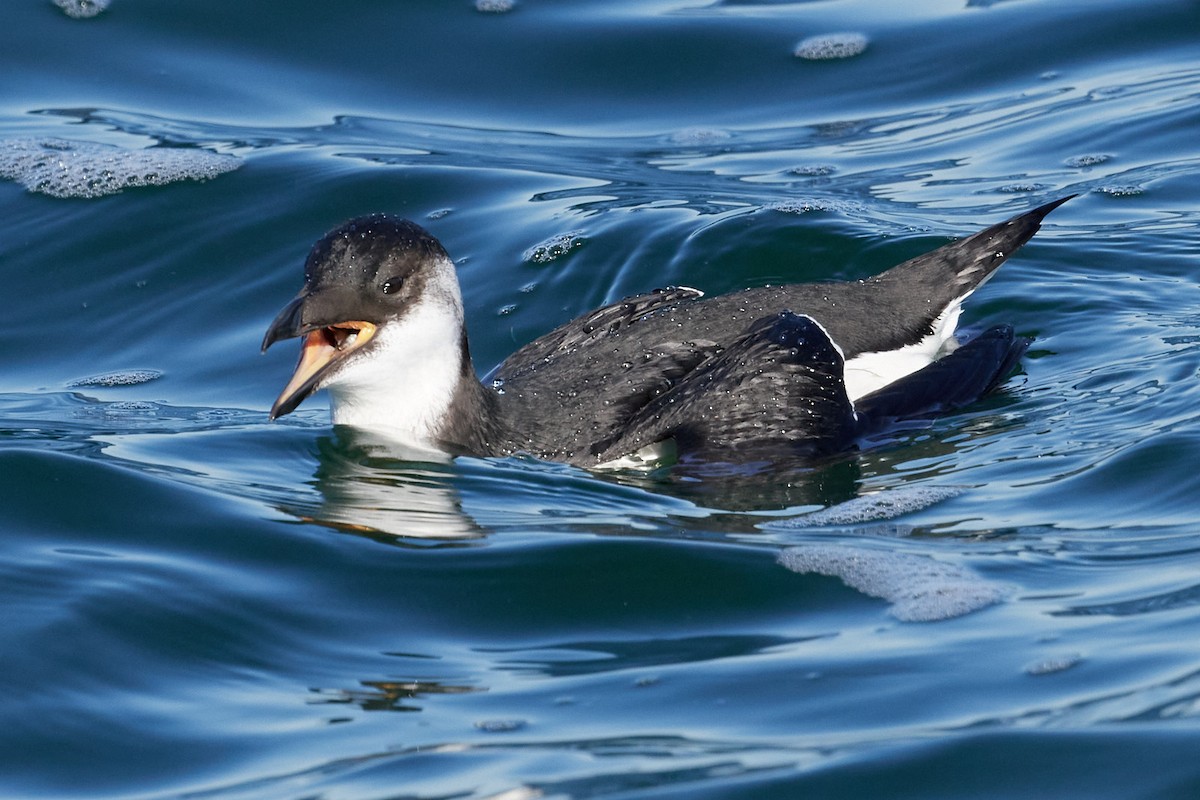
(323, 348)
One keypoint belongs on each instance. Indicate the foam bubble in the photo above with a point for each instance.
(1048, 666)
(919, 588)
(130, 408)
(82, 9)
(130, 377)
(494, 6)
(1121, 190)
(813, 170)
(62, 168)
(887, 504)
(1018, 188)
(1088, 160)
(831, 46)
(554, 247)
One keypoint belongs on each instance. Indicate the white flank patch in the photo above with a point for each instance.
(869, 372)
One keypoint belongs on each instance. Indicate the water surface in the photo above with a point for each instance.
(200, 603)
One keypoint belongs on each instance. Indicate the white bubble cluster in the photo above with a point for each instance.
(130, 407)
(554, 247)
(919, 589)
(62, 168)
(831, 46)
(82, 9)
(813, 170)
(809, 205)
(494, 6)
(131, 377)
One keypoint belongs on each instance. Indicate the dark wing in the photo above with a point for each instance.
(583, 381)
(584, 331)
(776, 389)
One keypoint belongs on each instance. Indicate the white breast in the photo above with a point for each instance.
(401, 385)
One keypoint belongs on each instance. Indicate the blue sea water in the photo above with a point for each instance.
(1001, 603)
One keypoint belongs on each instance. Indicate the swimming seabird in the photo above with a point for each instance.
(795, 370)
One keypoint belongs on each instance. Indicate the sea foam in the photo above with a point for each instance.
(886, 504)
(919, 588)
(62, 168)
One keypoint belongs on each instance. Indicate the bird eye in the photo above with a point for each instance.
(392, 285)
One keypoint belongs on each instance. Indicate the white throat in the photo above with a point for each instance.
(402, 384)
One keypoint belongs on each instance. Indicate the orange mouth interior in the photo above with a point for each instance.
(319, 351)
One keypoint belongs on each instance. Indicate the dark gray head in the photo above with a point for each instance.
(369, 272)
(368, 269)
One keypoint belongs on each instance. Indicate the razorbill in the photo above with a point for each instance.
(792, 371)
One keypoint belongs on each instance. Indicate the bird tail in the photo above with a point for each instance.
(958, 268)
